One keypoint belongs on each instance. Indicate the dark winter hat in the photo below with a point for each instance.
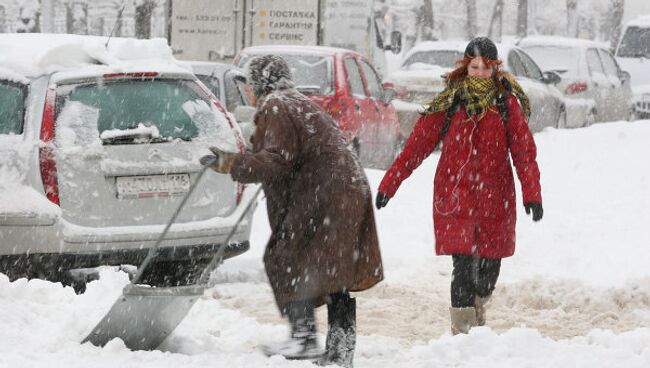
(482, 46)
(269, 73)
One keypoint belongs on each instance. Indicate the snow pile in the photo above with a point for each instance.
(642, 21)
(31, 55)
(576, 293)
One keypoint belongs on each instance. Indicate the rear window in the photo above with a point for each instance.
(12, 107)
(312, 74)
(134, 111)
(559, 59)
(212, 83)
(443, 58)
(635, 43)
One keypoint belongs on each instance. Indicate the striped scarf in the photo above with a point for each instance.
(476, 95)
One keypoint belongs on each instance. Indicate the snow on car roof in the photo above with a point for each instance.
(36, 54)
(559, 41)
(294, 49)
(642, 21)
(458, 45)
(207, 67)
(6, 74)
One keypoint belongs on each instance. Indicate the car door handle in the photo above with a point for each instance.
(357, 106)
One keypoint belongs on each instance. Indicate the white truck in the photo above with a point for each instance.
(633, 55)
(206, 30)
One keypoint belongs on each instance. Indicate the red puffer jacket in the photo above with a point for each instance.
(474, 209)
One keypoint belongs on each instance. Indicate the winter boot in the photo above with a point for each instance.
(303, 342)
(462, 319)
(480, 304)
(342, 332)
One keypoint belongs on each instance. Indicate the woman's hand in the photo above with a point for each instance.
(536, 208)
(381, 200)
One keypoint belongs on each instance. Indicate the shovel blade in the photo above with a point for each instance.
(143, 316)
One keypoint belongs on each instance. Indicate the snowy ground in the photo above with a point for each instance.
(576, 293)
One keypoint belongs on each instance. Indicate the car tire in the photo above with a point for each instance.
(169, 273)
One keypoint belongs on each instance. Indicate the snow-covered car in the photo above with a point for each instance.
(595, 88)
(228, 83)
(345, 85)
(424, 65)
(99, 144)
(633, 54)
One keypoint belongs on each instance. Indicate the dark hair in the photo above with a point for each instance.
(482, 46)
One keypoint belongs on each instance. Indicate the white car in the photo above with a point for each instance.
(98, 146)
(633, 53)
(595, 87)
(423, 67)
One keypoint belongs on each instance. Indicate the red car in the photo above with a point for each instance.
(346, 85)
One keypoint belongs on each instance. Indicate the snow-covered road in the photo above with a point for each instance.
(576, 293)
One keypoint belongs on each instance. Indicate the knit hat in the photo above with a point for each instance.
(269, 73)
(481, 46)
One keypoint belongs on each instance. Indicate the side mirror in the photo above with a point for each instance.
(551, 77)
(244, 114)
(624, 76)
(392, 91)
(396, 42)
(389, 95)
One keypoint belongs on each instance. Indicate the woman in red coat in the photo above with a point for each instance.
(480, 118)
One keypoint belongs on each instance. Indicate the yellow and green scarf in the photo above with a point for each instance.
(476, 94)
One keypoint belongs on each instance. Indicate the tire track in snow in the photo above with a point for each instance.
(418, 313)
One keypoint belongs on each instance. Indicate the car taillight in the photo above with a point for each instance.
(46, 151)
(576, 87)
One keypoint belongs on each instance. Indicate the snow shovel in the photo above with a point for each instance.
(144, 316)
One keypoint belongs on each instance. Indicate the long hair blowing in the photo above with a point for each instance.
(460, 73)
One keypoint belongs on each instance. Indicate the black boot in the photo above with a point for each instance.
(303, 342)
(342, 333)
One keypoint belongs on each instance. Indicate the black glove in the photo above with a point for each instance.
(537, 209)
(209, 160)
(381, 200)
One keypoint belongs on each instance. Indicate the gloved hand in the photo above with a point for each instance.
(220, 162)
(536, 208)
(381, 200)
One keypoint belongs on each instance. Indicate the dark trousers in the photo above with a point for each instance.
(472, 276)
(301, 313)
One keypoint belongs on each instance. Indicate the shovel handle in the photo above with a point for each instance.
(218, 257)
(153, 251)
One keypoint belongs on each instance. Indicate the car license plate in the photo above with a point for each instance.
(129, 187)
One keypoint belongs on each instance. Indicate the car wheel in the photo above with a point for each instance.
(166, 273)
(561, 120)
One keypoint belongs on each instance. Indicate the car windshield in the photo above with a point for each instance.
(312, 74)
(635, 43)
(133, 111)
(560, 59)
(443, 58)
(12, 108)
